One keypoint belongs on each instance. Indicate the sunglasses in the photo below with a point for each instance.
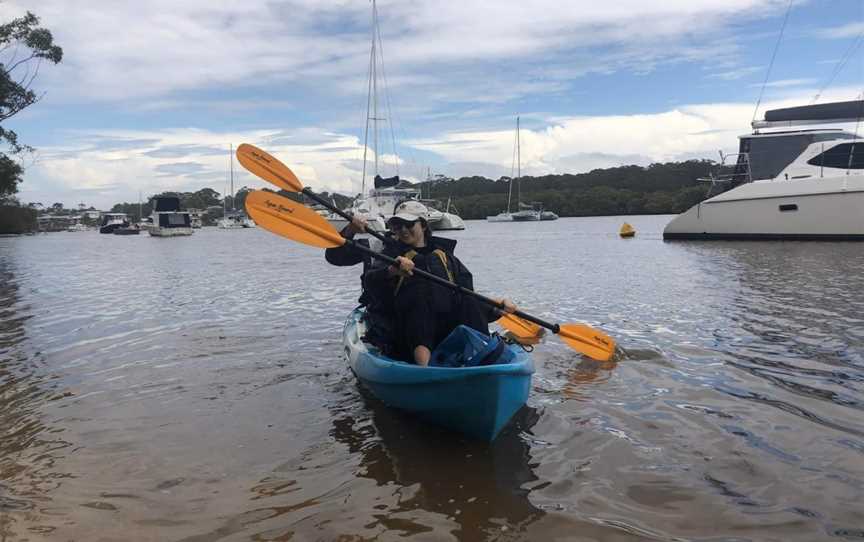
(398, 223)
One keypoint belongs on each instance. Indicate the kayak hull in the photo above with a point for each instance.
(475, 401)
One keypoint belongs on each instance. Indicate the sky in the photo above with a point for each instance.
(151, 95)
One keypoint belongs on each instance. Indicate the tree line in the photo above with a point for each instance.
(660, 188)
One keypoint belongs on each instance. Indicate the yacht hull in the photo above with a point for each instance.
(449, 221)
(170, 232)
(811, 209)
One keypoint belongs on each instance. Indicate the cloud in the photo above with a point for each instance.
(160, 49)
(786, 83)
(184, 150)
(191, 159)
(843, 31)
(188, 78)
(738, 73)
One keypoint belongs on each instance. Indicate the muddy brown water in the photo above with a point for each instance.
(194, 389)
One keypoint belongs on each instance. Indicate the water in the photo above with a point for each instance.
(193, 389)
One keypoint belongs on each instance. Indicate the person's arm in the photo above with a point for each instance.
(463, 276)
(347, 255)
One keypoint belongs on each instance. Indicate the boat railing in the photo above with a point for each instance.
(733, 169)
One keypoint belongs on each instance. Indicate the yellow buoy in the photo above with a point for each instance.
(626, 231)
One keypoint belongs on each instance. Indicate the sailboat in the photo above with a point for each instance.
(386, 193)
(233, 220)
(525, 212)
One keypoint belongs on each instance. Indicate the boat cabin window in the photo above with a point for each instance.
(171, 220)
(839, 156)
(770, 154)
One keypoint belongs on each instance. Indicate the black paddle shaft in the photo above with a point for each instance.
(342, 213)
(452, 285)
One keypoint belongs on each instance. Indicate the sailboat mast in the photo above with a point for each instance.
(231, 154)
(518, 164)
(375, 81)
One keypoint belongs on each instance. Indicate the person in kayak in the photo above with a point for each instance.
(378, 302)
(427, 312)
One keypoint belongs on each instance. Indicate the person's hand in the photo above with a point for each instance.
(507, 306)
(406, 267)
(358, 224)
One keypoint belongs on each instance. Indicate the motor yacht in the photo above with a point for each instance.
(786, 181)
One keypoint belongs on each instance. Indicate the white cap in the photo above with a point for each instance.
(410, 211)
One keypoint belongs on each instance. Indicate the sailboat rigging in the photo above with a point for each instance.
(522, 214)
(376, 203)
(232, 220)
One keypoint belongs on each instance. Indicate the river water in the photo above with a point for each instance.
(194, 389)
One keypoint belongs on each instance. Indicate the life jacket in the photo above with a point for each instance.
(442, 257)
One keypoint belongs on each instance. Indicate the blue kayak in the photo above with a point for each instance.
(476, 401)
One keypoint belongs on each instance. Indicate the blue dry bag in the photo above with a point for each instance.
(467, 347)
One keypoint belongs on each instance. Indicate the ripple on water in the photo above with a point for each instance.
(198, 391)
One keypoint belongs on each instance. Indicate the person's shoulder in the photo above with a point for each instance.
(448, 245)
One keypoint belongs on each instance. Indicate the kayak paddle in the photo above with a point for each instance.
(271, 169)
(295, 221)
(268, 167)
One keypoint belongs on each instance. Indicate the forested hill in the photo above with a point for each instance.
(658, 188)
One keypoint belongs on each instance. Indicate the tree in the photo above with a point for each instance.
(10, 176)
(23, 46)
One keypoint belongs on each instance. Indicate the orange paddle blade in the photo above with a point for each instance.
(593, 343)
(523, 331)
(291, 219)
(268, 167)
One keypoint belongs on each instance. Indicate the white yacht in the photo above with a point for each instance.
(235, 221)
(787, 184)
(445, 220)
(168, 219)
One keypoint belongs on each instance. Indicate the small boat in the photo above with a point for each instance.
(112, 221)
(127, 230)
(450, 220)
(626, 231)
(476, 401)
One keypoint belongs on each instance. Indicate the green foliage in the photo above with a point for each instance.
(10, 176)
(15, 219)
(23, 43)
(658, 188)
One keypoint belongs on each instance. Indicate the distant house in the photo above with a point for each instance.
(92, 214)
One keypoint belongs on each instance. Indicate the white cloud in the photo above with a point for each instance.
(120, 51)
(200, 56)
(780, 83)
(112, 166)
(843, 31)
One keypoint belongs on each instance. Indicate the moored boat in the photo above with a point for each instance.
(168, 219)
(112, 221)
(128, 230)
(793, 184)
(477, 401)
